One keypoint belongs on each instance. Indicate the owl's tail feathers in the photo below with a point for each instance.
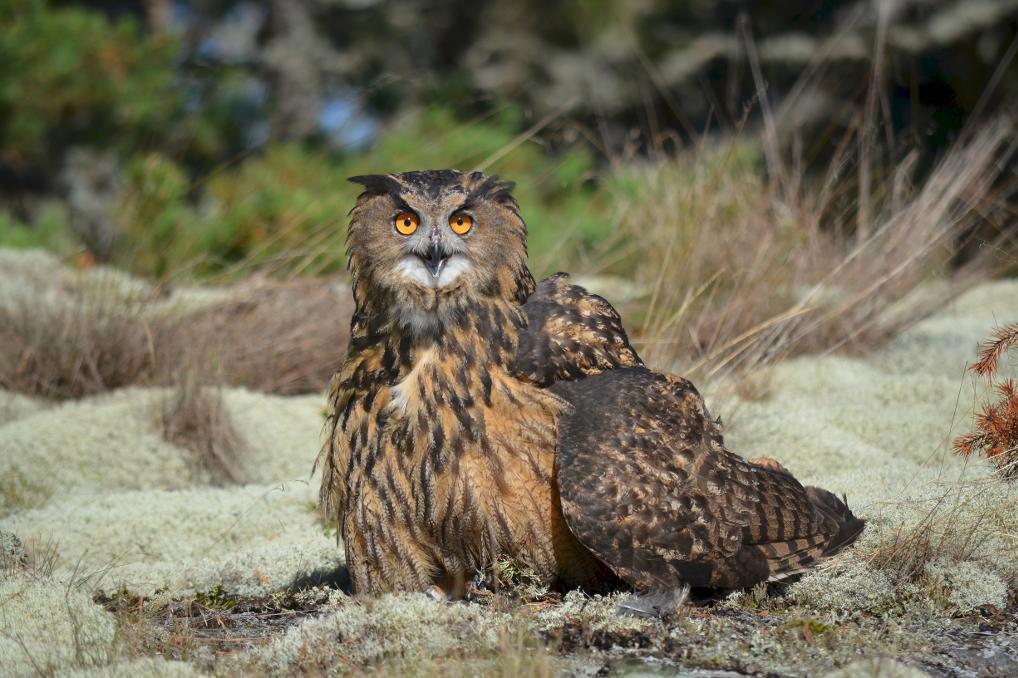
(790, 559)
(849, 527)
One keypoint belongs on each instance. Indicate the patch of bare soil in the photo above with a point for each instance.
(716, 640)
(201, 628)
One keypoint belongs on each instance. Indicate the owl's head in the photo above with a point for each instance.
(423, 244)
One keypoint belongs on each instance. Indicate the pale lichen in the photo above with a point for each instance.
(150, 667)
(403, 628)
(965, 586)
(112, 443)
(15, 406)
(251, 539)
(848, 587)
(878, 667)
(46, 626)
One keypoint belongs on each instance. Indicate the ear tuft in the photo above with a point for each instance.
(377, 184)
(493, 188)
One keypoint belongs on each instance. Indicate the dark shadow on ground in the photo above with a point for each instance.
(334, 578)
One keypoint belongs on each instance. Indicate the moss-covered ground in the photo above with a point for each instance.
(122, 556)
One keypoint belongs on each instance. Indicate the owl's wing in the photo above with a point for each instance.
(648, 487)
(570, 334)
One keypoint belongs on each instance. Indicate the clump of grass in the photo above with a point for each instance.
(943, 533)
(961, 543)
(275, 337)
(194, 416)
(742, 270)
(996, 427)
(70, 342)
(58, 350)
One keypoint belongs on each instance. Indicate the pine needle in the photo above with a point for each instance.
(993, 349)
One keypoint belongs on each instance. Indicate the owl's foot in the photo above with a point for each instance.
(436, 593)
(659, 604)
(449, 587)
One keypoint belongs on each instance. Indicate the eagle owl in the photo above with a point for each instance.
(480, 416)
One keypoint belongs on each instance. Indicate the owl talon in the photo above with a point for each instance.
(660, 604)
(479, 587)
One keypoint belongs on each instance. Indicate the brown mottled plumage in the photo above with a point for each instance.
(480, 416)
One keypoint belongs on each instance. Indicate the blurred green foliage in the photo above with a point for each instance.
(72, 74)
(48, 230)
(216, 137)
(154, 214)
(286, 208)
(72, 77)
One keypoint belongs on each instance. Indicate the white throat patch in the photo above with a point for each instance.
(413, 269)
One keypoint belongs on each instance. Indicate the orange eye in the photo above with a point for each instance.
(407, 223)
(461, 223)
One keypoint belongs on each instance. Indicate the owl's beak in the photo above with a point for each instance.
(434, 259)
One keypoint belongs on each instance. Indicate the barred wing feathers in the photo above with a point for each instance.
(647, 485)
(570, 334)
